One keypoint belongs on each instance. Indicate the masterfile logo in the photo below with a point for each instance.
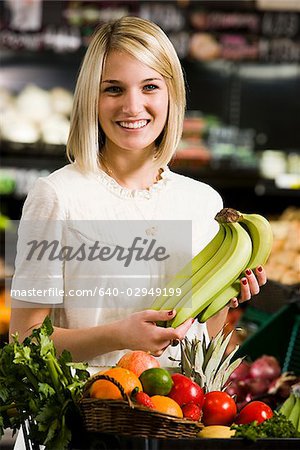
(98, 264)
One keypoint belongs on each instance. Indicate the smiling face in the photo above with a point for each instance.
(133, 103)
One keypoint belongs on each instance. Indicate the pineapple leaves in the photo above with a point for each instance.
(214, 364)
(209, 365)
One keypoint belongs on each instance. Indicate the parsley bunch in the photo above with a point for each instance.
(277, 426)
(36, 385)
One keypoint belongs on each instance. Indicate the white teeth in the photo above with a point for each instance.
(138, 124)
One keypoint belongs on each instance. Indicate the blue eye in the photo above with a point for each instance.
(150, 87)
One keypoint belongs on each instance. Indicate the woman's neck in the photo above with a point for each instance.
(129, 170)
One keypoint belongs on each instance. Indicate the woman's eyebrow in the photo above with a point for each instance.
(151, 79)
(120, 82)
(111, 81)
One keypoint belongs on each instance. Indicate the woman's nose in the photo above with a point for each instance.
(132, 103)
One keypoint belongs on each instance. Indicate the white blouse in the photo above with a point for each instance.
(178, 210)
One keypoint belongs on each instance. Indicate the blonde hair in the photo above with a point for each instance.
(148, 43)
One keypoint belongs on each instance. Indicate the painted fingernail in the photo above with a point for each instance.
(260, 269)
(244, 281)
(170, 313)
(193, 320)
(248, 272)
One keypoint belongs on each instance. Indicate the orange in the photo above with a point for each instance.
(166, 405)
(107, 390)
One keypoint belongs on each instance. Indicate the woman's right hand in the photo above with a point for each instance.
(140, 332)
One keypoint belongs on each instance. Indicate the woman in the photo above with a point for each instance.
(126, 124)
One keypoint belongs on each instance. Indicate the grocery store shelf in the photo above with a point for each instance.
(239, 183)
(268, 187)
(36, 155)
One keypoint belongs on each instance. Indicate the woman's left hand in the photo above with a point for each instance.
(250, 285)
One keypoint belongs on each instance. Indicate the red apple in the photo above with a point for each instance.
(138, 361)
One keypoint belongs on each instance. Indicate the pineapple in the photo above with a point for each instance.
(208, 365)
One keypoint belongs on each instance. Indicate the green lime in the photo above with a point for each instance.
(156, 381)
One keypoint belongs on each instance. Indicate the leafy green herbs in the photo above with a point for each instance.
(276, 427)
(35, 384)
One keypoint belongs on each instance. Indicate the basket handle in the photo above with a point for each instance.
(89, 383)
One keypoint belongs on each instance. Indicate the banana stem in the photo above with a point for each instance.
(228, 215)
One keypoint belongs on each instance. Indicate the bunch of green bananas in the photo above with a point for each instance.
(211, 279)
(291, 407)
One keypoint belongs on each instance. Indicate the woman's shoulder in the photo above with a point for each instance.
(68, 177)
(52, 192)
(66, 174)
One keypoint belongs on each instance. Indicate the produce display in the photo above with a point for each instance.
(36, 384)
(284, 262)
(211, 279)
(210, 394)
(41, 115)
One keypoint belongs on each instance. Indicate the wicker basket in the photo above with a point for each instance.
(125, 418)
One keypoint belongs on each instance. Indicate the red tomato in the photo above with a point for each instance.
(218, 409)
(185, 390)
(254, 411)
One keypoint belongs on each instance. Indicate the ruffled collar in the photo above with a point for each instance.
(121, 191)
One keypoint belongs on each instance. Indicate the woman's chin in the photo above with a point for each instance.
(134, 145)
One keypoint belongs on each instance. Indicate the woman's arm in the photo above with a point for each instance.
(83, 343)
(138, 331)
